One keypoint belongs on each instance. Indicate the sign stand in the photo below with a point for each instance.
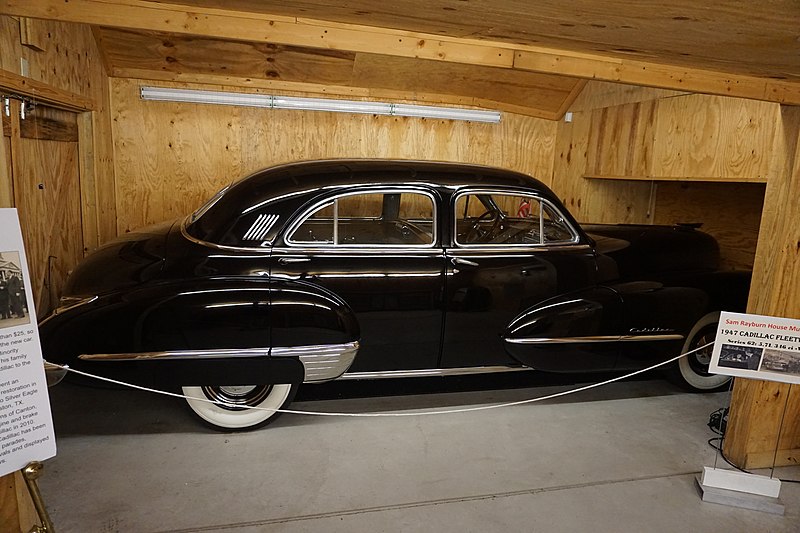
(741, 489)
(31, 473)
(757, 347)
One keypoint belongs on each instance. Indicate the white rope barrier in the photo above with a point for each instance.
(364, 415)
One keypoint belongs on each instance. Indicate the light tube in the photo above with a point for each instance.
(336, 106)
(164, 94)
(205, 97)
(450, 113)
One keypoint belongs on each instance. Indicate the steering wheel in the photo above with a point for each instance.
(477, 232)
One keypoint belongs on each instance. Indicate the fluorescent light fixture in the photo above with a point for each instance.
(316, 104)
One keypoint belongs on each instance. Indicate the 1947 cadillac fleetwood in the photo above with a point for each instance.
(364, 269)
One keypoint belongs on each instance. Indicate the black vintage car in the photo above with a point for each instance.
(365, 269)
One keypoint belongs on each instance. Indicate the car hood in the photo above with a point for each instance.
(129, 260)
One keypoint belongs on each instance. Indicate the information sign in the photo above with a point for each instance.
(26, 424)
(758, 347)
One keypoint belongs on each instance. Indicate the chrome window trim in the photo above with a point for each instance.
(299, 220)
(595, 339)
(510, 192)
(399, 251)
(260, 227)
(200, 211)
(263, 249)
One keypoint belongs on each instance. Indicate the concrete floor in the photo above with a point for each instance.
(622, 458)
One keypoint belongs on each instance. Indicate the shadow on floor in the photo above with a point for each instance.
(81, 409)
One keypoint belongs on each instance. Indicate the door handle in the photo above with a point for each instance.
(289, 260)
(527, 271)
(460, 261)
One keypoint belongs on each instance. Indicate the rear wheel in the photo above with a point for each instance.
(692, 370)
(245, 406)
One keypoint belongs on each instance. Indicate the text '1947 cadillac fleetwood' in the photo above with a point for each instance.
(364, 269)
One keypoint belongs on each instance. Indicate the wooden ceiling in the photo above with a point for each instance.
(140, 54)
(760, 38)
(514, 55)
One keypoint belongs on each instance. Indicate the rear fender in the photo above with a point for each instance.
(159, 332)
(661, 315)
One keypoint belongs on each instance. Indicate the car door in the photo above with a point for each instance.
(509, 251)
(377, 248)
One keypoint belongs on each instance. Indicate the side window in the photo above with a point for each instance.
(374, 218)
(508, 219)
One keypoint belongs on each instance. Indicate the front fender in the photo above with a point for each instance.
(574, 331)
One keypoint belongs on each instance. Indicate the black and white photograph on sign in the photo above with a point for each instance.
(744, 357)
(757, 347)
(13, 303)
(781, 361)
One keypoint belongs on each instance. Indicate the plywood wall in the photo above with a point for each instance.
(601, 201)
(170, 157)
(667, 157)
(65, 57)
(56, 164)
(684, 138)
(713, 137)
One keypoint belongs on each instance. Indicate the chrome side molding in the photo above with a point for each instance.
(322, 362)
(177, 354)
(595, 339)
(433, 372)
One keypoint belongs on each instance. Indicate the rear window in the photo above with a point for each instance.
(379, 218)
(240, 216)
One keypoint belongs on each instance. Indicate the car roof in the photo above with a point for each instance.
(308, 175)
(285, 188)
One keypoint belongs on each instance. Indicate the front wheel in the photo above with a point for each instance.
(246, 406)
(691, 371)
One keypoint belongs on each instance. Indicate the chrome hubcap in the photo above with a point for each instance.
(700, 360)
(238, 397)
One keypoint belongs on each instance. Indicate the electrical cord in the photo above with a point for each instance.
(717, 422)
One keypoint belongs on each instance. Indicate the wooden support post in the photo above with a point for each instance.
(757, 406)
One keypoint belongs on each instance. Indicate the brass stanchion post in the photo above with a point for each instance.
(31, 473)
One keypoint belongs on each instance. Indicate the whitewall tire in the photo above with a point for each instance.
(251, 406)
(692, 370)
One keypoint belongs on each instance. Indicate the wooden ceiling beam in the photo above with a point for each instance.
(42, 92)
(242, 26)
(141, 15)
(661, 76)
